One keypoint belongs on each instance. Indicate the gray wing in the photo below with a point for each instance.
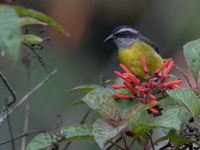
(148, 41)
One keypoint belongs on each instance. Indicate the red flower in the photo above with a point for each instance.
(128, 85)
(163, 66)
(169, 67)
(151, 95)
(122, 96)
(142, 91)
(118, 86)
(124, 68)
(122, 76)
(153, 110)
(165, 76)
(146, 71)
(151, 102)
(132, 77)
(170, 84)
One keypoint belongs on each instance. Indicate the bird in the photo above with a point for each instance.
(131, 45)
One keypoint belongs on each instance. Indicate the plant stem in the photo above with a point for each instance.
(131, 143)
(152, 145)
(10, 89)
(38, 57)
(143, 144)
(165, 146)
(197, 127)
(110, 145)
(22, 135)
(85, 116)
(27, 95)
(117, 145)
(184, 75)
(10, 129)
(27, 109)
(124, 139)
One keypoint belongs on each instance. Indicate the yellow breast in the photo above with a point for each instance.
(131, 58)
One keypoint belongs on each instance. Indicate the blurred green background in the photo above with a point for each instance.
(84, 59)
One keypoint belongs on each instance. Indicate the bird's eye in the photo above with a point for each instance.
(125, 34)
(120, 34)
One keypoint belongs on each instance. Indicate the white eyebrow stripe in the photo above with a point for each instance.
(127, 29)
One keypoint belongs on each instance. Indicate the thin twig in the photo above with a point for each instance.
(124, 139)
(67, 145)
(26, 124)
(10, 129)
(9, 87)
(166, 146)
(29, 94)
(38, 57)
(22, 135)
(131, 143)
(85, 116)
(29, 133)
(152, 145)
(110, 145)
(117, 145)
(197, 127)
(143, 143)
(27, 109)
(81, 122)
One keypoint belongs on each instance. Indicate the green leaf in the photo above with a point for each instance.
(141, 118)
(104, 131)
(196, 90)
(119, 81)
(86, 88)
(192, 55)
(96, 89)
(177, 141)
(184, 75)
(42, 141)
(187, 99)
(124, 91)
(40, 16)
(107, 91)
(94, 117)
(164, 138)
(78, 102)
(70, 133)
(77, 132)
(29, 20)
(172, 78)
(31, 39)
(167, 102)
(110, 81)
(102, 103)
(137, 109)
(125, 106)
(141, 128)
(10, 35)
(170, 119)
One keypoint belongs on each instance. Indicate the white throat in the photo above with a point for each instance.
(123, 43)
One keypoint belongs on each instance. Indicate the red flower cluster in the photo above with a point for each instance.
(142, 91)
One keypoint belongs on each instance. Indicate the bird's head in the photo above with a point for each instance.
(123, 36)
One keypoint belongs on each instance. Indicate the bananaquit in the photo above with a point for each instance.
(131, 46)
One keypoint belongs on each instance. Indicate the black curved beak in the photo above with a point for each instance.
(109, 38)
